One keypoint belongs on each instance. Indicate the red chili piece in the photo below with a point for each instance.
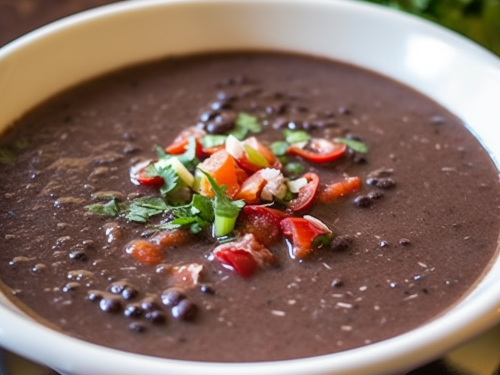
(140, 175)
(262, 222)
(303, 236)
(306, 194)
(240, 260)
(319, 150)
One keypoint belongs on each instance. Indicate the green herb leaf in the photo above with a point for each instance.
(168, 174)
(294, 169)
(104, 209)
(197, 215)
(279, 148)
(296, 136)
(245, 123)
(161, 153)
(354, 145)
(143, 208)
(213, 140)
(225, 209)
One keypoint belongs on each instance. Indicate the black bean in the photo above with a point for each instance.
(133, 310)
(294, 125)
(386, 183)
(343, 111)
(110, 304)
(71, 286)
(137, 327)
(88, 244)
(118, 286)
(208, 115)
(362, 201)
(375, 195)
(280, 123)
(321, 124)
(208, 289)
(404, 241)
(156, 317)
(220, 105)
(227, 81)
(372, 181)
(172, 296)
(150, 304)
(337, 283)
(221, 124)
(359, 158)
(79, 255)
(384, 244)
(342, 243)
(185, 310)
(226, 97)
(129, 293)
(353, 137)
(95, 295)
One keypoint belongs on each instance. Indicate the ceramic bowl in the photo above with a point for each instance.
(459, 75)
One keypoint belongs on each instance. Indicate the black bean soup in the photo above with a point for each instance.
(354, 209)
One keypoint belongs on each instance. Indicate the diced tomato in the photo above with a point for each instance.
(145, 252)
(262, 222)
(212, 150)
(319, 150)
(241, 175)
(180, 143)
(307, 194)
(265, 152)
(175, 237)
(187, 275)
(240, 260)
(139, 176)
(303, 236)
(245, 255)
(222, 167)
(332, 192)
(251, 189)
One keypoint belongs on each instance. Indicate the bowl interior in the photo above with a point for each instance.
(462, 77)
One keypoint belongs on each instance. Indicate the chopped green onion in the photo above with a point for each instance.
(354, 145)
(296, 136)
(213, 140)
(223, 225)
(279, 148)
(294, 168)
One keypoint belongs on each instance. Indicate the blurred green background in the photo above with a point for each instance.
(476, 19)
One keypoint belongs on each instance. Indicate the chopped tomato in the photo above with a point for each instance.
(251, 189)
(262, 222)
(245, 256)
(175, 237)
(332, 192)
(240, 260)
(318, 150)
(145, 252)
(307, 194)
(139, 175)
(303, 236)
(187, 275)
(212, 150)
(265, 152)
(241, 175)
(222, 167)
(180, 143)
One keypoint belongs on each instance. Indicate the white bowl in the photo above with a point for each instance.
(462, 77)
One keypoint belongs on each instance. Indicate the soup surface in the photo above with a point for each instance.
(410, 198)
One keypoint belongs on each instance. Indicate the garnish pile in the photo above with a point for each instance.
(249, 195)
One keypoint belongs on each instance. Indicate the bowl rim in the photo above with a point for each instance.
(413, 347)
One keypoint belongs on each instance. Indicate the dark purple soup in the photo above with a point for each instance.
(339, 209)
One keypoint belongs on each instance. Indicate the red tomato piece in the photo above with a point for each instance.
(251, 189)
(332, 192)
(145, 252)
(304, 236)
(180, 143)
(319, 150)
(240, 260)
(262, 222)
(307, 194)
(139, 176)
(171, 238)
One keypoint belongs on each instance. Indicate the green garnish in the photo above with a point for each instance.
(213, 140)
(255, 157)
(279, 148)
(296, 136)
(189, 159)
(245, 123)
(141, 209)
(105, 209)
(168, 174)
(294, 169)
(354, 145)
(225, 209)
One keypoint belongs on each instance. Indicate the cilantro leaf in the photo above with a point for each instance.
(211, 140)
(296, 136)
(245, 123)
(143, 208)
(105, 209)
(354, 145)
(168, 174)
(279, 148)
(189, 158)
